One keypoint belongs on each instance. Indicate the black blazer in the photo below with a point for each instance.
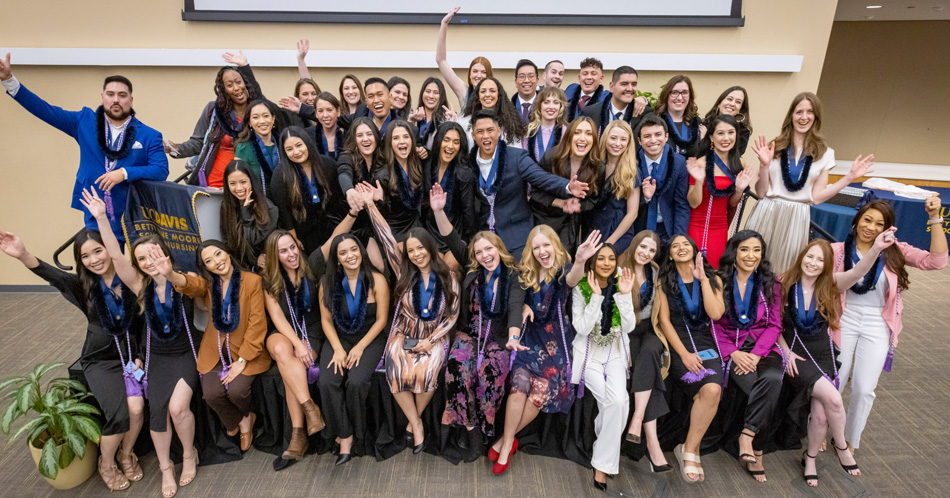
(598, 113)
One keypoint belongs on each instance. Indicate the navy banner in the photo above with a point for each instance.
(166, 209)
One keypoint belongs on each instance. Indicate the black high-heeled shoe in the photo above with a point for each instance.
(343, 458)
(809, 477)
(847, 468)
(419, 448)
(599, 485)
(656, 469)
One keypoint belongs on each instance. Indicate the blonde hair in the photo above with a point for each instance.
(506, 258)
(815, 145)
(273, 280)
(625, 174)
(534, 115)
(530, 268)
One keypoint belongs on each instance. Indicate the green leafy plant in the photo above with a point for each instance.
(61, 417)
(652, 97)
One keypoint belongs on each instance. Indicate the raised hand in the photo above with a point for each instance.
(627, 280)
(354, 200)
(695, 170)
(248, 200)
(237, 59)
(648, 187)
(156, 258)
(764, 149)
(450, 114)
(91, 201)
(592, 281)
(885, 239)
(377, 191)
(437, 198)
(6, 70)
(303, 46)
(861, 166)
(744, 179)
(578, 189)
(589, 248)
(699, 269)
(932, 205)
(290, 103)
(417, 114)
(448, 17)
(11, 245)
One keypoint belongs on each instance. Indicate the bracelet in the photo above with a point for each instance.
(350, 213)
(935, 221)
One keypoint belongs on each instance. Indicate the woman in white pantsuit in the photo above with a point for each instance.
(603, 318)
(872, 307)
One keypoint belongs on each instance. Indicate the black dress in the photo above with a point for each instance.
(322, 216)
(692, 332)
(100, 358)
(402, 208)
(458, 182)
(168, 356)
(307, 301)
(567, 226)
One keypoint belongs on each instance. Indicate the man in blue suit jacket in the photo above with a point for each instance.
(115, 148)
(502, 173)
(588, 90)
(665, 182)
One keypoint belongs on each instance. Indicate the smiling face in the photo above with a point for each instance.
(732, 103)
(351, 92)
(645, 251)
(487, 255)
(308, 94)
(813, 262)
(240, 185)
(625, 89)
(653, 139)
(583, 139)
(543, 250)
(399, 95)
(216, 260)
(550, 108)
(449, 147)
(869, 226)
(617, 142)
(327, 114)
(402, 143)
(590, 78)
(377, 100)
(803, 117)
(296, 150)
(94, 257)
(477, 73)
(749, 255)
(554, 74)
(234, 86)
(486, 133)
(417, 253)
(365, 140)
(605, 263)
(431, 96)
(681, 251)
(288, 253)
(723, 137)
(679, 97)
(117, 100)
(348, 254)
(261, 120)
(488, 94)
(141, 259)
(527, 81)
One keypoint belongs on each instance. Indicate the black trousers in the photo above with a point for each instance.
(343, 394)
(646, 349)
(763, 388)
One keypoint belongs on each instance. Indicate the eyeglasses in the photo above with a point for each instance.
(677, 93)
(526, 77)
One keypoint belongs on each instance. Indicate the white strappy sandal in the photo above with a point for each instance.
(682, 457)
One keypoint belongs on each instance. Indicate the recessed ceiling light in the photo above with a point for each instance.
(874, 6)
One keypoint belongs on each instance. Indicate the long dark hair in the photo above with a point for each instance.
(763, 273)
(508, 117)
(668, 273)
(409, 273)
(87, 279)
(332, 273)
(461, 158)
(350, 147)
(147, 280)
(590, 169)
(743, 117)
(438, 115)
(232, 228)
(221, 99)
(893, 256)
(413, 162)
(290, 172)
(202, 269)
(247, 133)
(592, 261)
(734, 157)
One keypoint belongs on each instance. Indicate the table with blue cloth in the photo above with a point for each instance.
(911, 218)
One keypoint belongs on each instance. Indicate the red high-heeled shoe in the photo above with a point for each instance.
(493, 455)
(499, 468)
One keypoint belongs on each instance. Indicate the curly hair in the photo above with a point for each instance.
(508, 117)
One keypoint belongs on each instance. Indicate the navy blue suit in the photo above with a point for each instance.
(574, 93)
(146, 159)
(670, 197)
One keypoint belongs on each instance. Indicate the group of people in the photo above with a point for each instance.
(363, 234)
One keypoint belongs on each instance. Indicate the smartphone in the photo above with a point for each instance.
(409, 343)
(708, 354)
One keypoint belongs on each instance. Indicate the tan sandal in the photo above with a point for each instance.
(682, 457)
(131, 467)
(117, 482)
(168, 491)
(187, 478)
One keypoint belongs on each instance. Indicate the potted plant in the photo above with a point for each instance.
(62, 436)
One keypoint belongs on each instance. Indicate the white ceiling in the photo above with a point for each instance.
(893, 10)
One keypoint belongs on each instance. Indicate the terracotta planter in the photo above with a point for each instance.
(76, 472)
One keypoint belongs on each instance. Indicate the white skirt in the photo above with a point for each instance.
(784, 226)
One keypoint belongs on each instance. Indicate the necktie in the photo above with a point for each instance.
(583, 102)
(525, 107)
(653, 166)
(617, 115)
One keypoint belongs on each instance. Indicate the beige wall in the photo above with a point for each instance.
(170, 99)
(884, 91)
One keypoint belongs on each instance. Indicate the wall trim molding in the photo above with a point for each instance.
(410, 59)
(27, 288)
(899, 171)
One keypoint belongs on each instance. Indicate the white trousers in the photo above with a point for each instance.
(865, 340)
(613, 403)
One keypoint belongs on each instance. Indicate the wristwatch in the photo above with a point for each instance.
(515, 338)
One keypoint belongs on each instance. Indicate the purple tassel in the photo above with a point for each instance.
(132, 386)
(580, 388)
(145, 387)
(889, 361)
(690, 377)
(222, 375)
(313, 373)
